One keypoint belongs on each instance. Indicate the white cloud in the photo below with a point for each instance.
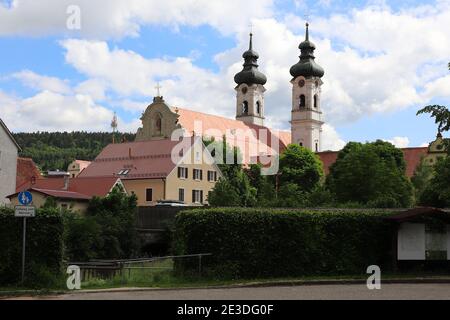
(39, 82)
(376, 60)
(331, 141)
(400, 142)
(118, 18)
(52, 111)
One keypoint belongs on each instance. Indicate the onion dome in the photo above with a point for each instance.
(250, 74)
(307, 67)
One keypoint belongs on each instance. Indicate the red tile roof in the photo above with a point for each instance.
(217, 127)
(145, 160)
(79, 188)
(26, 170)
(413, 156)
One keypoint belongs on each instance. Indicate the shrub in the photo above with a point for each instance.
(44, 248)
(256, 243)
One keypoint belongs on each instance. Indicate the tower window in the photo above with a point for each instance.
(157, 122)
(258, 107)
(317, 147)
(245, 107)
(316, 102)
(302, 101)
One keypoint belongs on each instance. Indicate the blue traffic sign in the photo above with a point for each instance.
(25, 198)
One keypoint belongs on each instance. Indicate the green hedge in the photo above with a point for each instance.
(255, 243)
(44, 253)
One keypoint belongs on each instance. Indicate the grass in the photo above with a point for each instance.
(159, 274)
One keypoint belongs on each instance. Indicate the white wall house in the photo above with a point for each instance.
(9, 150)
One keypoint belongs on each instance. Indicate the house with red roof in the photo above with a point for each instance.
(27, 171)
(159, 170)
(73, 194)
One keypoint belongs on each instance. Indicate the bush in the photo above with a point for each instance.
(258, 243)
(44, 248)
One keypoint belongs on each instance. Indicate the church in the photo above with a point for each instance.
(146, 166)
(247, 131)
(256, 142)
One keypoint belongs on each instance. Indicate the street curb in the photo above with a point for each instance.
(286, 283)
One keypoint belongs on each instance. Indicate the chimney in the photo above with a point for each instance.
(66, 182)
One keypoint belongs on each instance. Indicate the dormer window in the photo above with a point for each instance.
(124, 172)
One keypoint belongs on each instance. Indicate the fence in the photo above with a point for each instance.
(156, 218)
(144, 269)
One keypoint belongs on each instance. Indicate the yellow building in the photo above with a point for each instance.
(160, 170)
(76, 167)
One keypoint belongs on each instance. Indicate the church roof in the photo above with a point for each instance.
(216, 127)
(250, 74)
(307, 67)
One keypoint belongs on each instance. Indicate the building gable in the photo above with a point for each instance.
(158, 122)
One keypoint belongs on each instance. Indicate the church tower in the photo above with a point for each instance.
(250, 89)
(306, 123)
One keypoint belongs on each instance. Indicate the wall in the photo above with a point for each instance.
(174, 183)
(8, 166)
(139, 187)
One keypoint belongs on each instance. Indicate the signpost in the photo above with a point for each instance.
(24, 211)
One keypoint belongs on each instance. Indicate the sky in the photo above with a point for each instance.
(68, 65)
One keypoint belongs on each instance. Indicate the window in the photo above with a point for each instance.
(245, 107)
(212, 176)
(317, 147)
(198, 174)
(197, 196)
(181, 195)
(258, 107)
(149, 195)
(182, 173)
(302, 101)
(158, 125)
(124, 172)
(316, 102)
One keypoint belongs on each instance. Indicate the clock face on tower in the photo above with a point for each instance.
(301, 83)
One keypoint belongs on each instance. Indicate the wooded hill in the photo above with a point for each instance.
(55, 150)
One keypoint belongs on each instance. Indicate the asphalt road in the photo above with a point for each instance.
(317, 292)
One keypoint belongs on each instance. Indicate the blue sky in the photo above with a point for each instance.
(383, 61)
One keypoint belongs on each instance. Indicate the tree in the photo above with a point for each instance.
(264, 185)
(440, 114)
(115, 214)
(233, 191)
(371, 173)
(421, 179)
(300, 166)
(437, 192)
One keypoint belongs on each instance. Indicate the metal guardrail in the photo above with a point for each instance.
(108, 269)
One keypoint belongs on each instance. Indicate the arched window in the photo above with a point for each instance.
(245, 107)
(316, 102)
(302, 101)
(157, 130)
(258, 107)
